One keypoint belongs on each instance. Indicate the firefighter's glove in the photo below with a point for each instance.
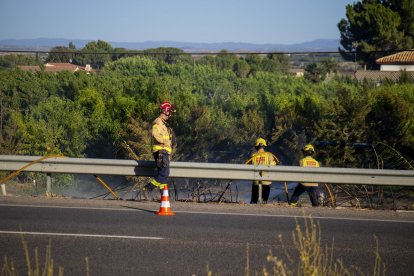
(159, 160)
(165, 161)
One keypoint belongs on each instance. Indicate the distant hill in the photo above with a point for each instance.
(44, 44)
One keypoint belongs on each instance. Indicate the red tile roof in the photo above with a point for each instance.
(56, 67)
(398, 58)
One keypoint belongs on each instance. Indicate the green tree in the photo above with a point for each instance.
(390, 118)
(169, 55)
(318, 71)
(10, 133)
(91, 103)
(343, 123)
(405, 8)
(95, 53)
(375, 25)
(72, 46)
(225, 60)
(62, 53)
(13, 60)
(56, 123)
(206, 60)
(122, 52)
(139, 65)
(331, 65)
(254, 62)
(315, 72)
(275, 63)
(241, 68)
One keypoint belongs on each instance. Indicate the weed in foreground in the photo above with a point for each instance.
(311, 257)
(315, 259)
(33, 269)
(8, 267)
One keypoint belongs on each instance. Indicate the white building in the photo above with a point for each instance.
(391, 68)
(402, 61)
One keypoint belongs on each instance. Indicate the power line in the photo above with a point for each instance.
(134, 52)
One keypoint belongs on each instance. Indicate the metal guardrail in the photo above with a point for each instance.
(210, 170)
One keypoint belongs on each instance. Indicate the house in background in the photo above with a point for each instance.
(297, 72)
(391, 68)
(53, 67)
(403, 61)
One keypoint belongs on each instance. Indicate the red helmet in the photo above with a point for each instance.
(166, 106)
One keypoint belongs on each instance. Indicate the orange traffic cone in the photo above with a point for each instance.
(165, 209)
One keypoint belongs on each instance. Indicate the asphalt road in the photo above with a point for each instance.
(127, 238)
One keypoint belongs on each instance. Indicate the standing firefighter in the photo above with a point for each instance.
(162, 136)
(311, 188)
(261, 157)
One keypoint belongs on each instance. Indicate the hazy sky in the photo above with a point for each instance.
(254, 21)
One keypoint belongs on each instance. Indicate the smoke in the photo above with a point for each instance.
(194, 190)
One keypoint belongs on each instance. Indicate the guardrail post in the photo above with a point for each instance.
(3, 189)
(260, 194)
(48, 183)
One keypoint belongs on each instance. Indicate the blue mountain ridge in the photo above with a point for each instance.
(321, 45)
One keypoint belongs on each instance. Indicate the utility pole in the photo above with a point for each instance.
(355, 46)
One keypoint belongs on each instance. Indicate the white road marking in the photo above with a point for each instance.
(130, 208)
(405, 211)
(79, 235)
(294, 216)
(69, 207)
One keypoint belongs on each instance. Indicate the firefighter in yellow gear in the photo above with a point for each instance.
(162, 136)
(311, 188)
(261, 157)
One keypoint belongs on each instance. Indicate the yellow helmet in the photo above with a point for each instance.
(260, 141)
(308, 147)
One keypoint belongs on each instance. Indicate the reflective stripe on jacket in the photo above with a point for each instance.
(161, 136)
(308, 161)
(265, 159)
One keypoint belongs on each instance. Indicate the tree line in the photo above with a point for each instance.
(222, 109)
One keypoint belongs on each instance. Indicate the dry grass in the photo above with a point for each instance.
(33, 268)
(311, 258)
(314, 259)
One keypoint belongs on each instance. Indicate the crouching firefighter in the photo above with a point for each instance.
(311, 188)
(162, 137)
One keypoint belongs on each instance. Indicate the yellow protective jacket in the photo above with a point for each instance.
(308, 161)
(161, 136)
(264, 158)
